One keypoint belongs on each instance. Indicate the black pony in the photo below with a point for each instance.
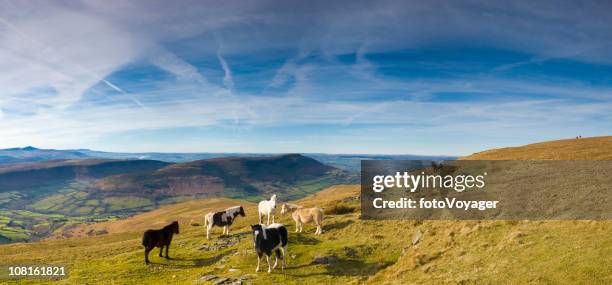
(159, 238)
(269, 239)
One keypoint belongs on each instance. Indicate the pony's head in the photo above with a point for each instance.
(273, 198)
(175, 227)
(284, 209)
(258, 229)
(241, 212)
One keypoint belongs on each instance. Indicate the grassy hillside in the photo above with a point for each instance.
(38, 198)
(368, 252)
(594, 148)
(236, 177)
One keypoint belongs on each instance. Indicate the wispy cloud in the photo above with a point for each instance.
(85, 73)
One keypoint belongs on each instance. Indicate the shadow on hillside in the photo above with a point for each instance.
(196, 263)
(337, 225)
(343, 267)
(303, 239)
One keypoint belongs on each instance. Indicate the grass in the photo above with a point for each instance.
(595, 148)
(367, 251)
(370, 252)
(77, 199)
(340, 208)
(125, 203)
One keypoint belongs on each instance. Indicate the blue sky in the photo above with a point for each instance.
(441, 77)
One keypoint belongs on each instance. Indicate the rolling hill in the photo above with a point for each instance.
(39, 197)
(368, 252)
(232, 177)
(594, 148)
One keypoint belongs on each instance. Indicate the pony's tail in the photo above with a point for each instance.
(206, 221)
(283, 235)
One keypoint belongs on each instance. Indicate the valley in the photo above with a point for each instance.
(37, 199)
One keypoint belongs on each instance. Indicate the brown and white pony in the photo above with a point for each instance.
(303, 215)
(222, 219)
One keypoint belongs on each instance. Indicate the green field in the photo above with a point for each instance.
(36, 213)
(355, 251)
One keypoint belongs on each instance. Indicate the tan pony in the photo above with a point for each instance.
(303, 215)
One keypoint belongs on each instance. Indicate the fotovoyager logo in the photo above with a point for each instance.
(485, 190)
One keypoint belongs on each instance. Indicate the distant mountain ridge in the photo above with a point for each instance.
(350, 162)
(32, 154)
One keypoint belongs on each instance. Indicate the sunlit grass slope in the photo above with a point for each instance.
(593, 148)
(367, 252)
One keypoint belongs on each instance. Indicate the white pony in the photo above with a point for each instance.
(267, 207)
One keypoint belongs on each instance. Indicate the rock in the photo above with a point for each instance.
(220, 280)
(293, 256)
(220, 266)
(101, 232)
(325, 259)
(221, 243)
(207, 277)
(350, 252)
(233, 270)
(516, 235)
(417, 237)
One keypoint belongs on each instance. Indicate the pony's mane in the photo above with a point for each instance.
(171, 225)
(291, 206)
(233, 209)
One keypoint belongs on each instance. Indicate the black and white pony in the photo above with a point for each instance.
(222, 219)
(268, 239)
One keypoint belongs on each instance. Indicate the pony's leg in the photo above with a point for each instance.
(167, 247)
(258, 261)
(147, 250)
(208, 231)
(273, 218)
(227, 230)
(284, 250)
(268, 219)
(269, 265)
(260, 217)
(161, 249)
(297, 226)
(277, 255)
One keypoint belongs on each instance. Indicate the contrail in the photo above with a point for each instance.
(111, 85)
(228, 82)
(36, 42)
